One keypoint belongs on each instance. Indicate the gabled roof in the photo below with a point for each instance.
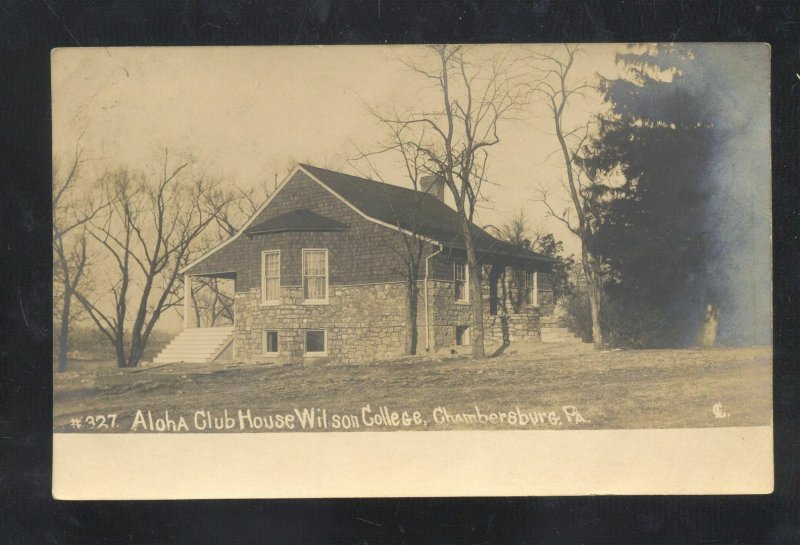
(414, 211)
(296, 220)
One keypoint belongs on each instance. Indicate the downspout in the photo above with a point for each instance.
(425, 287)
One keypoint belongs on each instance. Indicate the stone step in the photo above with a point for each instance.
(200, 349)
(547, 339)
(196, 345)
(199, 343)
(558, 335)
(206, 330)
(180, 359)
(556, 330)
(185, 356)
(203, 338)
(180, 339)
(207, 335)
(193, 352)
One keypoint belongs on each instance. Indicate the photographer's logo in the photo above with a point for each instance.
(718, 411)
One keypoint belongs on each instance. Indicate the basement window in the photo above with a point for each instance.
(462, 335)
(270, 342)
(316, 340)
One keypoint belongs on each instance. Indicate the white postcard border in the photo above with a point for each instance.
(412, 464)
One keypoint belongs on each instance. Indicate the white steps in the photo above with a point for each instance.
(196, 345)
(558, 335)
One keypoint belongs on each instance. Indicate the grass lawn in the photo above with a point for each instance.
(610, 389)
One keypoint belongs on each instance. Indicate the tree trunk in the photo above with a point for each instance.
(595, 294)
(476, 302)
(504, 308)
(594, 303)
(119, 349)
(63, 333)
(412, 299)
(493, 280)
(137, 349)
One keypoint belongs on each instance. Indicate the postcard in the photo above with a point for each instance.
(418, 270)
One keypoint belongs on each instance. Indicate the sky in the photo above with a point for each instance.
(247, 113)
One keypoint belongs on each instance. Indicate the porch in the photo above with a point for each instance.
(208, 329)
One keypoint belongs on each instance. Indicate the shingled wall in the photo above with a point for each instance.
(366, 253)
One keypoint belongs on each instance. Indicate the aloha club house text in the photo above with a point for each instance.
(369, 417)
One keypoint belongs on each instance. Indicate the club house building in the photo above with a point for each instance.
(319, 273)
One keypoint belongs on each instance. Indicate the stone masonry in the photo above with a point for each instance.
(363, 323)
(508, 323)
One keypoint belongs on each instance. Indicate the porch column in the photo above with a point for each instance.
(536, 288)
(187, 300)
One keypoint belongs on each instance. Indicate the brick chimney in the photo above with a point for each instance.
(433, 185)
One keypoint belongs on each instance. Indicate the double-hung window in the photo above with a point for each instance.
(532, 288)
(271, 277)
(460, 278)
(315, 276)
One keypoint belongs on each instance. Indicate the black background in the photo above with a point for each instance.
(29, 29)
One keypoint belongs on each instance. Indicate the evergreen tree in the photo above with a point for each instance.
(658, 137)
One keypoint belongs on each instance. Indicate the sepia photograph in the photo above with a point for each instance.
(334, 241)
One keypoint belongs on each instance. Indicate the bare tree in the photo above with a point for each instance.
(474, 97)
(554, 85)
(519, 231)
(147, 236)
(212, 300)
(516, 231)
(235, 207)
(71, 213)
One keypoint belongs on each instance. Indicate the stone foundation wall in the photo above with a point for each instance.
(447, 315)
(366, 322)
(518, 327)
(363, 323)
